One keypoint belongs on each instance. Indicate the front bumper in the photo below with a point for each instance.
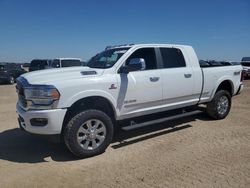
(54, 117)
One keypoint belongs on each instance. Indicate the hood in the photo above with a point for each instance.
(49, 76)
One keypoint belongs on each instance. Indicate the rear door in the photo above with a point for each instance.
(141, 91)
(178, 79)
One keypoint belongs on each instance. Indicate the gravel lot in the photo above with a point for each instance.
(191, 152)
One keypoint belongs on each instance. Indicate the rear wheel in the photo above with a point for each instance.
(220, 106)
(88, 133)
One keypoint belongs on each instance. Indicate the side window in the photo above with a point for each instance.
(148, 54)
(172, 58)
(55, 63)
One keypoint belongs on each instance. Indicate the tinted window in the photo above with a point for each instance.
(55, 63)
(70, 63)
(148, 54)
(39, 64)
(246, 59)
(245, 64)
(172, 58)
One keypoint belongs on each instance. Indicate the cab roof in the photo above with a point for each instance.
(145, 45)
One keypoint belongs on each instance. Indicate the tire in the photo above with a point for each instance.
(220, 106)
(88, 133)
(11, 80)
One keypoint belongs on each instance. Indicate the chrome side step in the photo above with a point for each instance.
(134, 125)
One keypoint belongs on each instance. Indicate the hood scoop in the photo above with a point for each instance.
(88, 73)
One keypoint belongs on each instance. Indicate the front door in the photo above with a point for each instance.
(140, 91)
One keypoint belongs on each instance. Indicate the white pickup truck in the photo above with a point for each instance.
(120, 84)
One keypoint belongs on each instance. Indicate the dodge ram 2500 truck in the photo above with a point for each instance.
(122, 84)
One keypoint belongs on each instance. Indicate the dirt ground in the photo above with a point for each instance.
(191, 152)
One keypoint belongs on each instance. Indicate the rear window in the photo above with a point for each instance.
(71, 63)
(172, 58)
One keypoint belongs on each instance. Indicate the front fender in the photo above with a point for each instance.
(90, 93)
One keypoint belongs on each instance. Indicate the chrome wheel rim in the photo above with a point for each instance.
(222, 106)
(91, 134)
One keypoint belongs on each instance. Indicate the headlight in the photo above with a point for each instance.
(41, 96)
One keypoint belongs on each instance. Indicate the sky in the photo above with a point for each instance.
(217, 29)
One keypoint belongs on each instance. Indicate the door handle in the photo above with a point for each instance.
(154, 79)
(187, 75)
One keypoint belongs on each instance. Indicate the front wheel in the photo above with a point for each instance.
(88, 133)
(220, 106)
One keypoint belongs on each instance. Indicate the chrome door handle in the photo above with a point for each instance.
(187, 75)
(154, 79)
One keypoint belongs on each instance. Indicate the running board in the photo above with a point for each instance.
(134, 125)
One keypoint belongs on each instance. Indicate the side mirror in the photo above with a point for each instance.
(134, 64)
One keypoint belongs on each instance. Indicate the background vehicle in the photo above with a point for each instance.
(39, 64)
(66, 62)
(213, 63)
(245, 62)
(123, 86)
(9, 72)
(83, 63)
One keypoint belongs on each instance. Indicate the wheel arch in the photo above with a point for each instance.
(225, 85)
(90, 102)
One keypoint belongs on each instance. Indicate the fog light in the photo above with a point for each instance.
(39, 122)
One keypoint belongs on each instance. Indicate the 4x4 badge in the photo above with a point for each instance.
(113, 86)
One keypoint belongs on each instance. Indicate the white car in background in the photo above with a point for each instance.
(65, 62)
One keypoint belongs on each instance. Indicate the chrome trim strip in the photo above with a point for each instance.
(156, 110)
(165, 101)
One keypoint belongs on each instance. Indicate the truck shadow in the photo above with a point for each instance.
(21, 147)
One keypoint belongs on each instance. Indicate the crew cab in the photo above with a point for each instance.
(9, 72)
(122, 86)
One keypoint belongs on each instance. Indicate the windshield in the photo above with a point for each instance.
(245, 64)
(107, 58)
